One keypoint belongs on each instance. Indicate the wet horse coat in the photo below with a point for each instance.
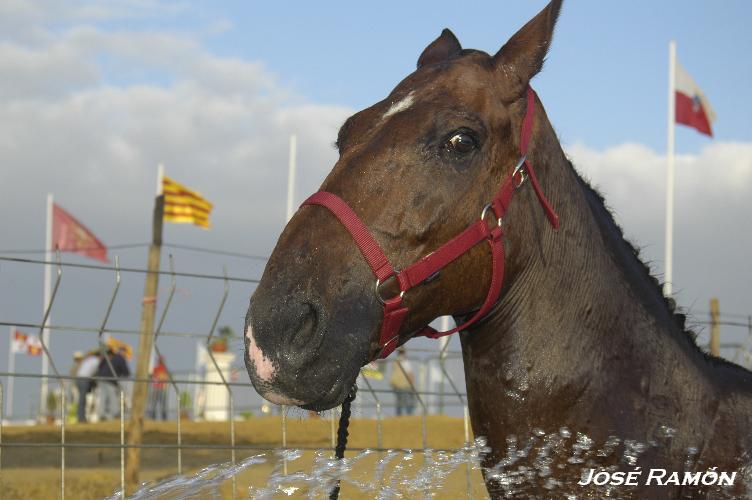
(581, 337)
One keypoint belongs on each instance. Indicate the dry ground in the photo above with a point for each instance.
(93, 472)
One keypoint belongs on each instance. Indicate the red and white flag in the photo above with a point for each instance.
(33, 346)
(69, 235)
(18, 341)
(22, 343)
(692, 107)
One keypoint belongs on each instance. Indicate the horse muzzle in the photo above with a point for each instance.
(295, 356)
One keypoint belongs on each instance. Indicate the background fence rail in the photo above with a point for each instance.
(376, 398)
(435, 385)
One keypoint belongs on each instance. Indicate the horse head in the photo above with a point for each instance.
(415, 169)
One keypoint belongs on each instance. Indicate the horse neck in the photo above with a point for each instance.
(574, 301)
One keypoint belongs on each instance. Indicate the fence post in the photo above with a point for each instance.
(424, 409)
(443, 343)
(379, 444)
(48, 356)
(170, 378)
(333, 427)
(284, 437)
(102, 350)
(231, 399)
(140, 389)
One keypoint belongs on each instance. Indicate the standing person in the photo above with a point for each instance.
(158, 397)
(401, 381)
(71, 388)
(108, 389)
(84, 384)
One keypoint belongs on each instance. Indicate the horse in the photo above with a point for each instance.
(568, 342)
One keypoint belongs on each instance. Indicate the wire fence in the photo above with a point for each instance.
(432, 378)
(209, 392)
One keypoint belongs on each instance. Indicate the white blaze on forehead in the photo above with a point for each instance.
(264, 368)
(400, 105)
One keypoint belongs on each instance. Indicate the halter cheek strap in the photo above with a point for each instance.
(427, 267)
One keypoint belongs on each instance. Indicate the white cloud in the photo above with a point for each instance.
(69, 125)
(712, 237)
(87, 111)
(30, 22)
(53, 71)
(87, 114)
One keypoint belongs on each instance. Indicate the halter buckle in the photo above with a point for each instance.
(378, 295)
(520, 169)
(485, 211)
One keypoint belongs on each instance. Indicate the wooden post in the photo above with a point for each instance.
(715, 328)
(145, 345)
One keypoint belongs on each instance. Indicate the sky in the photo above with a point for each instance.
(94, 95)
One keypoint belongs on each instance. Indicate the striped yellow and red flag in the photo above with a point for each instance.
(183, 205)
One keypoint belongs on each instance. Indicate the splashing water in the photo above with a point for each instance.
(395, 474)
(204, 484)
(529, 464)
(408, 474)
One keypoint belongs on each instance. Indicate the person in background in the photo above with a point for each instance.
(158, 396)
(107, 396)
(84, 384)
(401, 381)
(71, 388)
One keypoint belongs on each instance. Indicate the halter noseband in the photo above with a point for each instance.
(427, 267)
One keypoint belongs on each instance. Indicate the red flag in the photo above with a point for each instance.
(69, 235)
(692, 107)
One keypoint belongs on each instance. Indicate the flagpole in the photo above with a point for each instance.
(47, 294)
(291, 167)
(160, 179)
(11, 371)
(668, 275)
(146, 343)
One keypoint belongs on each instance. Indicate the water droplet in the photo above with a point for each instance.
(666, 432)
(289, 490)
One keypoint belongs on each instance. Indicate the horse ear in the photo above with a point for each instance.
(521, 58)
(442, 49)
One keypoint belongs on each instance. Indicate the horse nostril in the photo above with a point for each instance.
(307, 327)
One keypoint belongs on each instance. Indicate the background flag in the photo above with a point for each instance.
(33, 346)
(692, 107)
(69, 235)
(18, 342)
(183, 205)
(22, 343)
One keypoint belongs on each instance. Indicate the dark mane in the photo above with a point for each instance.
(604, 214)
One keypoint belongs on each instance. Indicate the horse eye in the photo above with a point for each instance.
(461, 143)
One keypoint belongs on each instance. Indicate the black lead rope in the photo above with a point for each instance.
(344, 423)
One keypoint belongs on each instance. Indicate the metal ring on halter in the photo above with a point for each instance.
(378, 295)
(485, 211)
(520, 169)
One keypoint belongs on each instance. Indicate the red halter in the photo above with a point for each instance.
(425, 268)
